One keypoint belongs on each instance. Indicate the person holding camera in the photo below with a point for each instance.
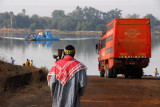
(67, 80)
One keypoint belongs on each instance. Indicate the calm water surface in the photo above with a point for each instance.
(42, 52)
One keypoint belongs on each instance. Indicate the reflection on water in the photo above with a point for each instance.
(41, 43)
(41, 52)
(155, 56)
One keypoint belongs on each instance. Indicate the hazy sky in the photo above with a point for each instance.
(46, 7)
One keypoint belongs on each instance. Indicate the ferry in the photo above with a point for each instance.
(41, 37)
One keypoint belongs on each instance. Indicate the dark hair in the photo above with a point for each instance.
(70, 48)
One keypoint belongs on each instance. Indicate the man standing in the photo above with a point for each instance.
(31, 63)
(12, 60)
(155, 71)
(67, 80)
(27, 62)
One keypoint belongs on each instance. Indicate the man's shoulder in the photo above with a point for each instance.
(59, 61)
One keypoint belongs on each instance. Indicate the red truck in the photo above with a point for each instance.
(124, 48)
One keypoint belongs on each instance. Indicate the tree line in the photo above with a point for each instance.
(80, 19)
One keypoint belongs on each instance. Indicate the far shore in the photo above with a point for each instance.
(8, 31)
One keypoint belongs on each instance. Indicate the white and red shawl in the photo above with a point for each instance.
(64, 69)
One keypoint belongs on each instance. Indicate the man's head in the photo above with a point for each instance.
(69, 50)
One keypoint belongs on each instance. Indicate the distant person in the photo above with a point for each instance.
(27, 62)
(67, 80)
(155, 71)
(12, 60)
(31, 63)
(24, 64)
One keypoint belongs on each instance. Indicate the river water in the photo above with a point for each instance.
(42, 52)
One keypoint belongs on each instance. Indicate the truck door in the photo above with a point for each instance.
(132, 41)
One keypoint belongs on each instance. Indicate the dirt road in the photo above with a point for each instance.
(100, 92)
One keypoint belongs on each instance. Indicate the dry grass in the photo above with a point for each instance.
(39, 75)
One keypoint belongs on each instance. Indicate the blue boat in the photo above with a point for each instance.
(41, 37)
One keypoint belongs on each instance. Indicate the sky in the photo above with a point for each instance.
(46, 7)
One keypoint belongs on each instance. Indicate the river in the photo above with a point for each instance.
(42, 52)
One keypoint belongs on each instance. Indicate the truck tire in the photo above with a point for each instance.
(126, 75)
(102, 72)
(108, 72)
(134, 73)
(138, 73)
(130, 72)
(114, 73)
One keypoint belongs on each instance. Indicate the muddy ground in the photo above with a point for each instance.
(100, 92)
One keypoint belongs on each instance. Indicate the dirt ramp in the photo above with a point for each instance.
(15, 76)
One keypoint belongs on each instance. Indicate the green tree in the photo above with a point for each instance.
(79, 26)
(153, 19)
(5, 19)
(43, 23)
(90, 18)
(91, 13)
(100, 27)
(22, 21)
(112, 14)
(32, 27)
(48, 22)
(87, 18)
(77, 14)
(57, 16)
(132, 15)
(67, 23)
(35, 21)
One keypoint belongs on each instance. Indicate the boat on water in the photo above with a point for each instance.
(41, 37)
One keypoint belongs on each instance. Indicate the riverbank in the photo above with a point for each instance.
(156, 31)
(101, 92)
(13, 77)
(9, 31)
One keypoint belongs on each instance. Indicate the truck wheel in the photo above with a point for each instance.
(138, 73)
(135, 73)
(114, 73)
(129, 73)
(102, 72)
(126, 75)
(108, 72)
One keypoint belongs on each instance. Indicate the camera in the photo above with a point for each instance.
(60, 54)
